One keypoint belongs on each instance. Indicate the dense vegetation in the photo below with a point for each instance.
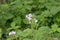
(44, 22)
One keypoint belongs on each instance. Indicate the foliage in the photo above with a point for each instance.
(13, 17)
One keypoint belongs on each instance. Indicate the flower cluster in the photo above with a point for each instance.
(12, 33)
(30, 17)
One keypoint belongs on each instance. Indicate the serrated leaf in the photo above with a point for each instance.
(54, 27)
(54, 10)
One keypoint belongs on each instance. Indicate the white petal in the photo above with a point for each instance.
(26, 16)
(12, 33)
(29, 18)
(30, 15)
(36, 21)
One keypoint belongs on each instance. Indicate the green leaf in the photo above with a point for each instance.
(46, 13)
(17, 20)
(42, 1)
(13, 24)
(19, 33)
(54, 10)
(45, 29)
(26, 39)
(25, 21)
(16, 27)
(7, 16)
(54, 27)
(42, 33)
(8, 38)
(58, 30)
(27, 32)
(27, 1)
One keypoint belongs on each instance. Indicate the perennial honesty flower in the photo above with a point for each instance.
(30, 17)
(12, 33)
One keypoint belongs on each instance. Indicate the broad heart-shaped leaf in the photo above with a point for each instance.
(54, 27)
(17, 20)
(27, 32)
(54, 10)
(42, 33)
(46, 13)
(18, 33)
(45, 29)
(13, 24)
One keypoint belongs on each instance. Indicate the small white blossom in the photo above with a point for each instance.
(12, 33)
(29, 16)
(36, 20)
(55, 38)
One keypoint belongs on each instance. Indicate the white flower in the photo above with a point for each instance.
(55, 38)
(29, 16)
(12, 33)
(36, 20)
